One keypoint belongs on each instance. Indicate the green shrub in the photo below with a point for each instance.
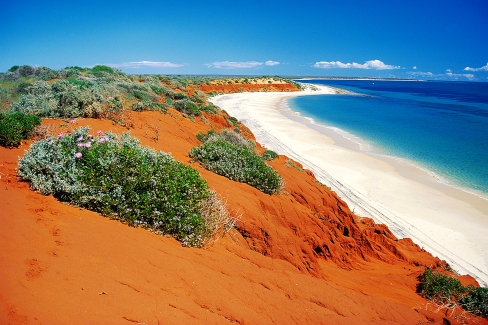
(177, 96)
(269, 155)
(80, 83)
(449, 291)
(149, 105)
(237, 163)
(196, 99)
(476, 301)
(187, 107)
(210, 108)
(22, 87)
(115, 176)
(141, 95)
(204, 136)
(232, 121)
(99, 70)
(434, 285)
(292, 164)
(15, 127)
(158, 89)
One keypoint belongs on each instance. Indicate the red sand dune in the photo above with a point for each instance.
(233, 88)
(300, 257)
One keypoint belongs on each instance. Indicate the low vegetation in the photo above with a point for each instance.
(448, 292)
(15, 127)
(119, 178)
(231, 155)
(98, 92)
(114, 175)
(269, 155)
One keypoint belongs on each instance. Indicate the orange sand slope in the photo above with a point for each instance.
(300, 257)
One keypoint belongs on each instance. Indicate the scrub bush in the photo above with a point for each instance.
(476, 301)
(237, 163)
(434, 285)
(16, 127)
(100, 70)
(115, 176)
(187, 107)
(450, 293)
(232, 121)
(237, 139)
(269, 155)
(148, 105)
(68, 99)
(203, 137)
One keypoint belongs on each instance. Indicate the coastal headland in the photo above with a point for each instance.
(303, 256)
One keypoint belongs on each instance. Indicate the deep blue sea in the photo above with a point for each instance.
(441, 126)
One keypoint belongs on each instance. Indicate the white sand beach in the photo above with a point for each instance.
(450, 223)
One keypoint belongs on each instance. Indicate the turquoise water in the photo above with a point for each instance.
(442, 126)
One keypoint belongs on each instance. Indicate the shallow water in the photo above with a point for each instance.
(441, 126)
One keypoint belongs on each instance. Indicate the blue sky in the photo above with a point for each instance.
(377, 38)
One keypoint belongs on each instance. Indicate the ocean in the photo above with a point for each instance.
(439, 126)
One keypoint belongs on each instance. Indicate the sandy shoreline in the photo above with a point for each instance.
(446, 221)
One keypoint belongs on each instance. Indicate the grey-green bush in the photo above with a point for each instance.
(65, 99)
(237, 163)
(119, 178)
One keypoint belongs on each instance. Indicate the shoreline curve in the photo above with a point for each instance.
(446, 221)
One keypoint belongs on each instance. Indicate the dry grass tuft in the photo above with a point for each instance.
(217, 218)
(43, 131)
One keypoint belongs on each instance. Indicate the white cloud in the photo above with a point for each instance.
(485, 68)
(415, 67)
(449, 75)
(269, 62)
(232, 65)
(372, 64)
(151, 64)
(421, 74)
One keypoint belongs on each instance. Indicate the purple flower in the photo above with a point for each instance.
(90, 136)
(99, 132)
(60, 136)
(103, 139)
(80, 145)
(78, 155)
(88, 145)
(72, 121)
(80, 138)
(51, 141)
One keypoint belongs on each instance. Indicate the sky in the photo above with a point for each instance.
(420, 39)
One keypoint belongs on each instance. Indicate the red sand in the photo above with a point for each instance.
(233, 88)
(300, 257)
